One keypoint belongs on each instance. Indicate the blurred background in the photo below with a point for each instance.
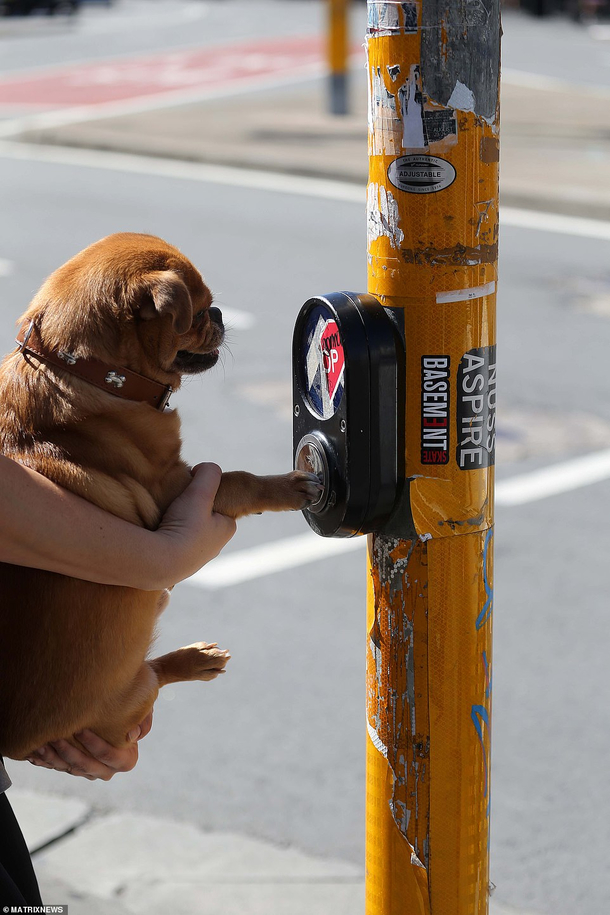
(207, 122)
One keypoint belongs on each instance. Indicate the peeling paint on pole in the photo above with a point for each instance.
(383, 215)
(432, 252)
(396, 723)
(398, 769)
(460, 50)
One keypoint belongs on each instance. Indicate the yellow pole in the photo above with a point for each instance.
(338, 48)
(432, 248)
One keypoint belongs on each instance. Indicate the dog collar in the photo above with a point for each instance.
(113, 379)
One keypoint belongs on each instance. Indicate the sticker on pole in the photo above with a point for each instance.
(421, 174)
(476, 409)
(323, 361)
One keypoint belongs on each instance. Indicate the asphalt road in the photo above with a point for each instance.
(276, 748)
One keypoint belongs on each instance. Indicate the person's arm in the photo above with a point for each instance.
(46, 527)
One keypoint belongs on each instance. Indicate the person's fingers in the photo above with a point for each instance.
(57, 764)
(80, 764)
(206, 479)
(102, 760)
(63, 757)
(194, 531)
(227, 525)
(145, 725)
(116, 759)
(48, 757)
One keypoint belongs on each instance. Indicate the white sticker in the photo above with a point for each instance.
(412, 110)
(384, 124)
(464, 295)
(388, 17)
(383, 215)
(421, 174)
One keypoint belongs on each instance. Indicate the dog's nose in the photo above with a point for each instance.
(216, 315)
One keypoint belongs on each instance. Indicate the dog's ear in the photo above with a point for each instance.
(166, 293)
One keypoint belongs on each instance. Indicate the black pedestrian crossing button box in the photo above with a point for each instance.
(348, 402)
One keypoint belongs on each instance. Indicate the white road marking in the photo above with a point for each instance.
(551, 481)
(600, 32)
(235, 319)
(189, 171)
(244, 565)
(255, 562)
(495, 908)
(278, 182)
(534, 80)
(551, 83)
(555, 222)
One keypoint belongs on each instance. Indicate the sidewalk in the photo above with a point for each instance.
(126, 864)
(555, 147)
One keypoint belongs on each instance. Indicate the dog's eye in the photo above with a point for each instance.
(200, 314)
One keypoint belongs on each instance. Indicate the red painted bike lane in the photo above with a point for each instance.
(182, 71)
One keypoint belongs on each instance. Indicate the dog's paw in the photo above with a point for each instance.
(301, 489)
(206, 660)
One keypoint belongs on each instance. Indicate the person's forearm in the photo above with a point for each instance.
(44, 526)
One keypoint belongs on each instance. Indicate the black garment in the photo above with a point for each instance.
(18, 884)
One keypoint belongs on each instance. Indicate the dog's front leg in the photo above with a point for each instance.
(200, 661)
(243, 493)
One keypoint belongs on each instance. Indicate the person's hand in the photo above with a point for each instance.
(102, 759)
(195, 532)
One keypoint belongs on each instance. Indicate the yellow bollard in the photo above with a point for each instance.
(432, 247)
(338, 48)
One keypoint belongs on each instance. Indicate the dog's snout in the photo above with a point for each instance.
(216, 315)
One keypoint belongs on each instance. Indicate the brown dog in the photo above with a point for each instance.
(72, 653)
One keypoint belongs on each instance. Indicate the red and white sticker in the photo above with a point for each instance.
(333, 357)
(324, 363)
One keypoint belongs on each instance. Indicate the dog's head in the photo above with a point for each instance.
(134, 300)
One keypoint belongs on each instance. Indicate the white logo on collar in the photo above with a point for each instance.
(115, 379)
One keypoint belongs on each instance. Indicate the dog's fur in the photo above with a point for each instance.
(73, 653)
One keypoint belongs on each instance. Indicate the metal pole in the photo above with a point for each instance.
(338, 41)
(432, 250)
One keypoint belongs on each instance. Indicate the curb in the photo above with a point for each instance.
(567, 201)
